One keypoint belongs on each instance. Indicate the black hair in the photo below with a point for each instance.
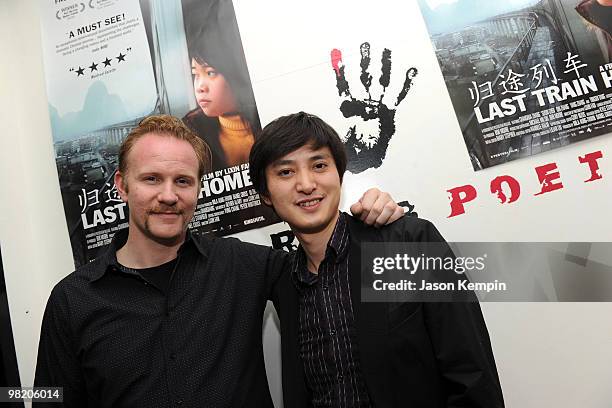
(287, 134)
(213, 38)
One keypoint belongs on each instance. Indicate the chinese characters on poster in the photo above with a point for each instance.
(524, 77)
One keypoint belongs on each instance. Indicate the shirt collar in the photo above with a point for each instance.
(339, 239)
(337, 249)
(108, 258)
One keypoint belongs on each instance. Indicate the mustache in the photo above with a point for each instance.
(165, 209)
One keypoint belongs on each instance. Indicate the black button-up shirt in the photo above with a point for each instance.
(327, 336)
(112, 339)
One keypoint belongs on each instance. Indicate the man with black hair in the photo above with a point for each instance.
(336, 350)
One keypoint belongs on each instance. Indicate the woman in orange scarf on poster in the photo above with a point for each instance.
(226, 116)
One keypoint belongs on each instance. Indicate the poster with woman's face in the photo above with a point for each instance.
(109, 64)
(225, 116)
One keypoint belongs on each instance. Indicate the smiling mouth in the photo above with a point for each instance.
(310, 203)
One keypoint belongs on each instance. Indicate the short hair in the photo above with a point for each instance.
(169, 126)
(287, 134)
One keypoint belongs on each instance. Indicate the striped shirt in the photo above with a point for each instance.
(327, 334)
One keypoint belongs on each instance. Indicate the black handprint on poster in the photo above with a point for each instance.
(366, 150)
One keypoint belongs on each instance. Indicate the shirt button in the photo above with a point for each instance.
(332, 332)
(179, 402)
(340, 377)
(325, 287)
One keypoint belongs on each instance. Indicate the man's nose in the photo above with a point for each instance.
(167, 194)
(306, 183)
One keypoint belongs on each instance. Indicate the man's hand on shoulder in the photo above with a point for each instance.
(377, 208)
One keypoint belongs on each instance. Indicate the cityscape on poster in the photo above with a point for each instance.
(526, 76)
(110, 63)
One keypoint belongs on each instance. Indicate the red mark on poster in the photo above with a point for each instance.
(336, 60)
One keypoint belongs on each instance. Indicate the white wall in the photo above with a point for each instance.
(35, 247)
(548, 355)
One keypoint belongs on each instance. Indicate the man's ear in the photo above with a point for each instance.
(120, 185)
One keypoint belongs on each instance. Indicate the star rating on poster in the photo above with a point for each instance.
(106, 62)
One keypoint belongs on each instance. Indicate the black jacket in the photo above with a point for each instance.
(415, 355)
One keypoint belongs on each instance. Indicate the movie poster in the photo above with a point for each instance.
(110, 63)
(524, 76)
